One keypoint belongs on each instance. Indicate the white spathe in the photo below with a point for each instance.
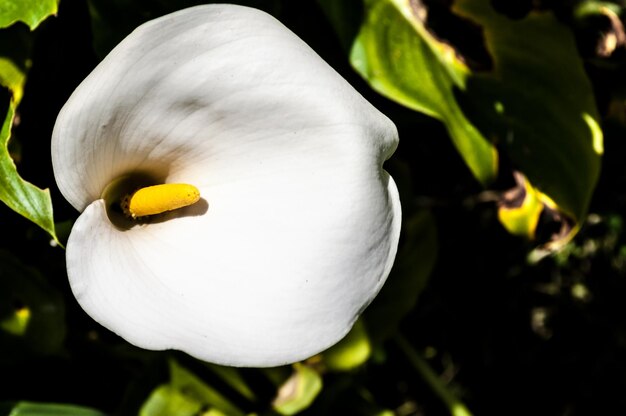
(302, 224)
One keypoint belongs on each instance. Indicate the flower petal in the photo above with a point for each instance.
(302, 222)
(191, 93)
(235, 286)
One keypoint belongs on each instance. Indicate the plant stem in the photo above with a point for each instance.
(454, 405)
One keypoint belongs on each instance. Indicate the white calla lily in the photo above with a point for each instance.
(298, 224)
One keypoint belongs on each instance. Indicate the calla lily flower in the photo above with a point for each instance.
(297, 223)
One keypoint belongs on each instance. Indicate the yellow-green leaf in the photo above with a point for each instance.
(299, 391)
(22, 197)
(165, 400)
(31, 12)
(520, 210)
(352, 351)
(52, 409)
(32, 313)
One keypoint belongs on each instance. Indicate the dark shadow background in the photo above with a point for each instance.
(511, 336)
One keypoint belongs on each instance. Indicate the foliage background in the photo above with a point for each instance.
(501, 325)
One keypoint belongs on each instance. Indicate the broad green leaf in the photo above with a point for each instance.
(32, 314)
(31, 12)
(352, 351)
(414, 262)
(186, 394)
(299, 391)
(21, 196)
(51, 409)
(400, 59)
(538, 103)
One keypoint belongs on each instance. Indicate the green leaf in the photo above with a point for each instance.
(400, 59)
(539, 103)
(51, 409)
(48, 409)
(21, 196)
(31, 12)
(186, 394)
(299, 391)
(32, 313)
(414, 262)
(16, 322)
(352, 351)
(536, 104)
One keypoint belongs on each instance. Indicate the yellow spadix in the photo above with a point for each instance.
(158, 199)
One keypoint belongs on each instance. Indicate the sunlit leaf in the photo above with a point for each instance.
(31, 12)
(350, 352)
(166, 400)
(21, 196)
(299, 391)
(415, 260)
(400, 59)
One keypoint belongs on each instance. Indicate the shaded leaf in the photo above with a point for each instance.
(32, 314)
(113, 20)
(414, 262)
(538, 103)
(232, 377)
(345, 17)
(400, 59)
(31, 12)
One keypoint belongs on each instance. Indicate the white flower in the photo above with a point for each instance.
(298, 224)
